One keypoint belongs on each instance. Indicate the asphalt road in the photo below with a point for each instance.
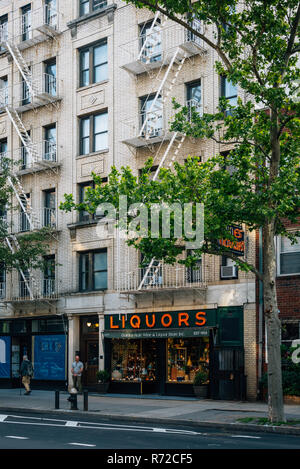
(49, 431)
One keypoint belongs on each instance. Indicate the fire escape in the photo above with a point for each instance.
(32, 28)
(162, 61)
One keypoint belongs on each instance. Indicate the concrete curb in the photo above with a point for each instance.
(232, 427)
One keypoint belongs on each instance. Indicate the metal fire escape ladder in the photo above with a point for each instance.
(156, 108)
(179, 139)
(13, 248)
(151, 35)
(23, 134)
(176, 138)
(24, 202)
(22, 66)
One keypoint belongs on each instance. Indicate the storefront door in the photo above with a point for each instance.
(90, 361)
(20, 347)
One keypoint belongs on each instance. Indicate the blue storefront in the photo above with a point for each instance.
(44, 340)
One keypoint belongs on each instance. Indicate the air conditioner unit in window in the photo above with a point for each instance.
(229, 271)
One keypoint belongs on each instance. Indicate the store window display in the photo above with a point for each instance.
(185, 357)
(133, 360)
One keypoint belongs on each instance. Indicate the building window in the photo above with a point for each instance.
(93, 64)
(49, 275)
(88, 6)
(50, 143)
(49, 215)
(3, 153)
(3, 30)
(150, 42)
(93, 270)
(288, 256)
(84, 215)
(26, 92)
(194, 274)
(197, 26)
(151, 116)
(50, 13)
(185, 357)
(94, 133)
(134, 360)
(50, 77)
(49, 325)
(228, 91)
(24, 224)
(3, 92)
(26, 22)
(25, 155)
(193, 96)
(24, 284)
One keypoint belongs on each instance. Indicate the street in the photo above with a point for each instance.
(49, 431)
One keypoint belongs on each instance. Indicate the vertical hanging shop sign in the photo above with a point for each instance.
(237, 246)
(4, 357)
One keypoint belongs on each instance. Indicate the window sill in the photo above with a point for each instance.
(287, 275)
(83, 224)
(92, 85)
(92, 15)
(95, 153)
(91, 292)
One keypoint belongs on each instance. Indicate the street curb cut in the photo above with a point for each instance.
(233, 427)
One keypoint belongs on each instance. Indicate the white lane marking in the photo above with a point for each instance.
(17, 437)
(246, 436)
(70, 423)
(99, 425)
(96, 425)
(3, 417)
(81, 444)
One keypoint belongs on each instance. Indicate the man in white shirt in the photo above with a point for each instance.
(77, 369)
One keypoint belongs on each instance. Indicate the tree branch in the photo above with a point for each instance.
(291, 41)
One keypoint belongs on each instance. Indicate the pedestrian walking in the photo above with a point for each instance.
(26, 373)
(77, 369)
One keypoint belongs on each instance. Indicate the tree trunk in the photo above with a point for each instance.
(273, 325)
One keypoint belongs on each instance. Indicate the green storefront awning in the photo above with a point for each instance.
(157, 333)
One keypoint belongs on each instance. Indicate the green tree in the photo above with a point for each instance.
(257, 44)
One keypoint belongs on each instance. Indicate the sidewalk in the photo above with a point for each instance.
(155, 409)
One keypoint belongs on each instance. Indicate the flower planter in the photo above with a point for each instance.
(102, 388)
(201, 391)
(291, 400)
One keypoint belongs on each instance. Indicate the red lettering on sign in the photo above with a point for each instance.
(112, 326)
(168, 324)
(136, 324)
(183, 318)
(201, 320)
(153, 321)
(123, 321)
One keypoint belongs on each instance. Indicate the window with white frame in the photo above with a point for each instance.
(288, 256)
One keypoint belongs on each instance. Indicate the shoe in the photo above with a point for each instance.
(27, 393)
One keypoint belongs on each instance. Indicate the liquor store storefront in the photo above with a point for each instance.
(161, 352)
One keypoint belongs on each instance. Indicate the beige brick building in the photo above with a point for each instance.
(86, 85)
